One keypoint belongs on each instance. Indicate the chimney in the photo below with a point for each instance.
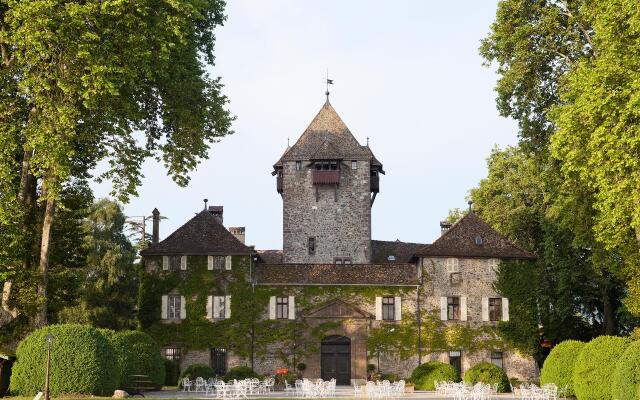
(156, 226)
(217, 211)
(238, 232)
(445, 226)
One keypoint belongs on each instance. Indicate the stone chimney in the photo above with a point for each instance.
(155, 236)
(217, 212)
(445, 226)
(238, 232)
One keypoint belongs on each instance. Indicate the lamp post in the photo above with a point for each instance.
(49, 339)
(377, 353)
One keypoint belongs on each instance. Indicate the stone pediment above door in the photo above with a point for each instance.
(338, 309)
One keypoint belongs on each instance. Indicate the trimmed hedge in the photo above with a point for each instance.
(172, 372)
(595, 365)
(82, 362)
(626, 378)
(240, 373)
(488, 374)
(424, 376)
(558, 367)
(195, 370)
(138, 354)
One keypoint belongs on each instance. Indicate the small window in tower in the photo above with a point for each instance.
(318, 166)
(354, 165)
(325, 166)
(334, 165)
(298, 165)
(312, 246)
(478, 240)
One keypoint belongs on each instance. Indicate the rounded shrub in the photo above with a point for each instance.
(197, 370)
(488, 374)
(138, 354)
(172, 372)
(82, 362)
(558, 366)
(626, 378)
(240, 373)
(595, 365)
(424, 376)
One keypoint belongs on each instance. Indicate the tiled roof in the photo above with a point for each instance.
(327, 137)
(460, 241)
(337, 274)
(202, 234)
(403, 252)
(270, 256)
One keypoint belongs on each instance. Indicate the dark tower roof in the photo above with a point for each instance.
(201, 235)
(327, 138)
(472, 237)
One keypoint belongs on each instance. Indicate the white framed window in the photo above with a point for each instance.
(216, 262)
(282, 307)
(354, 164)
(219, 307)
(174, 305)
(497, 359)
(494, 262)
(453, 265)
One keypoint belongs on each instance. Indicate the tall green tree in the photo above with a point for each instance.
(598, 135)
(92, 80)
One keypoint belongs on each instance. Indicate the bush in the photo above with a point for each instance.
(301, 367)
(138, 354)
(172, 372)
(558, 367)
(488, 374)
(195, 370)
(595, 365)
(423, 376)
(626, 378)
(82, 362)
(391, 377)
(240, 373)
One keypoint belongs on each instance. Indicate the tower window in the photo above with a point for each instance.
(354, 165)
(298, 165)
(342, 260)
(311, 246)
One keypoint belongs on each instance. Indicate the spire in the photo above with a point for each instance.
(329, 82)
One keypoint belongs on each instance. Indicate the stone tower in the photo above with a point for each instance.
(328, 183)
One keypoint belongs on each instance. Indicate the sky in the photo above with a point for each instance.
(407, 74)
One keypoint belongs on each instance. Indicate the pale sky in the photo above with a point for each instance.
(407, 74)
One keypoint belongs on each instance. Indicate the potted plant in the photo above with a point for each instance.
(408, 386)
(301, 367)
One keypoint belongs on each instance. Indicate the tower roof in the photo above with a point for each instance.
(327, 137)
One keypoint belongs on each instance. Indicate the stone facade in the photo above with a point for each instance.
(337, 288)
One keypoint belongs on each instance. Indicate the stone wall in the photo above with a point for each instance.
(339, 219)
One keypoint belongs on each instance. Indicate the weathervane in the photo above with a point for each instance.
(329, 82)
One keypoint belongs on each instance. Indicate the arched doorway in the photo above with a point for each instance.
(335, 359)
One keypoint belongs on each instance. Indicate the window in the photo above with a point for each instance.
(496, 359)
(311, 246)
(173, 307)
(455, 359)
(282, 307)
(218, 361)
(342, 260)
(298, 165)
(172, 353)
(218, 262)
(175, 262)
(453, 265)
(478, 240)
(494, 262)
(388, 308)
(220, 307)
(453, 308)
(495, 309)
(327, 166)
(354, 165)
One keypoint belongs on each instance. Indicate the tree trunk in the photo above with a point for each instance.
(44, 261)
(609, 312)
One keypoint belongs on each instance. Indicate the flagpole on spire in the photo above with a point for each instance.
(328, 82)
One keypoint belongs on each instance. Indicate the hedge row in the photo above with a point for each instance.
(85, 360)
(606, 368)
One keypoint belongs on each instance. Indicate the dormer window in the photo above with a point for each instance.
(478, 240)
(298, 165)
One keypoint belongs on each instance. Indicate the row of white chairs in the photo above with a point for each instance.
(230, 390)
(380, 389)
(311, 389)
(533, 392)
(460, 391)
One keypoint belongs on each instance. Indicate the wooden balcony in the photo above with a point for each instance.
(279, 184)
(326, 177)
(375, 184)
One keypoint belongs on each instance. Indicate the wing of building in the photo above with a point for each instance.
(332, 301)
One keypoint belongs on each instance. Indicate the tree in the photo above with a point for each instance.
(85, 81)
(598, 130)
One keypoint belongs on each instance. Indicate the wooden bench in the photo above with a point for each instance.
(139, 383)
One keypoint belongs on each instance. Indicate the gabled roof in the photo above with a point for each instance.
(327, 137)
(201, 235)
(460, 241)
(403, 252)
(338, 308)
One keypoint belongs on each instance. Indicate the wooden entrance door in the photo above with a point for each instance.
(335, 359)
